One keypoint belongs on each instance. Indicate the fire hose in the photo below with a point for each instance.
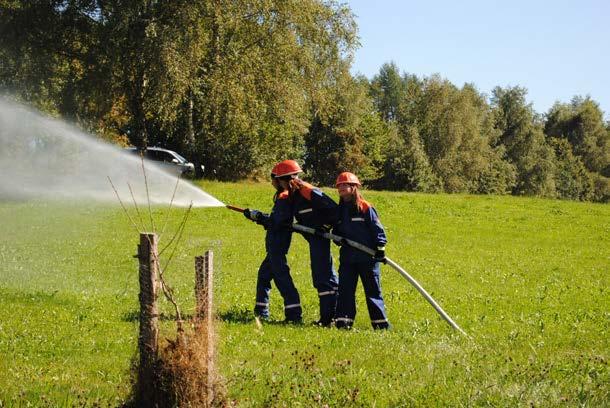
(370, 251)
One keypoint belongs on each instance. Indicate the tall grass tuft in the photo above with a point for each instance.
(187, 375)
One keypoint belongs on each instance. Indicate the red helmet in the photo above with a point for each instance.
(347, 177)
(286, 168)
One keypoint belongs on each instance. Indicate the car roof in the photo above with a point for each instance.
(160, 149)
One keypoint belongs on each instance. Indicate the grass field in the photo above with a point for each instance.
(528, 279)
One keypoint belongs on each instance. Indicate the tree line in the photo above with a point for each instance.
(238, 85)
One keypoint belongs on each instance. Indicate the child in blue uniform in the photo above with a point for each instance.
(275, 266)
(358, 221)
(312, 208)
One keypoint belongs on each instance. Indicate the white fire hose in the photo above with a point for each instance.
(363, 248)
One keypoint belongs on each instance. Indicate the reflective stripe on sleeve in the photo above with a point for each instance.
(262, 304)
(328, 292)
(292, 306)
(358, 219)
(306, 210)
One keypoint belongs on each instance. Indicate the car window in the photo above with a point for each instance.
(166, 156)
(158, 155)
(182, 159)
(153, 155)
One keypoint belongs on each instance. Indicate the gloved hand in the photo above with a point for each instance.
(253, 215)
(339, 242)
(380, 255)
(320, 232)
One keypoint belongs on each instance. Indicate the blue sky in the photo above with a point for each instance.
(555, 49)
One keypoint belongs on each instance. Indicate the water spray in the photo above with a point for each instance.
(46, 158)
(370, 251)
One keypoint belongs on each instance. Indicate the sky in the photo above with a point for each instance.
(555, 49)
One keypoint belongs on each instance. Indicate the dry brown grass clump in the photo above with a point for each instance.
(187, 374)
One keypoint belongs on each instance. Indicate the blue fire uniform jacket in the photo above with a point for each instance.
(363, 227)
(312, 208)
(366, 228)
(275, 266)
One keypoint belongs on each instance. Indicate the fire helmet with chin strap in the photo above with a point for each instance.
(347, 178)
(286, 168)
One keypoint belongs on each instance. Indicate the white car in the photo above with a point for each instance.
(167, 159)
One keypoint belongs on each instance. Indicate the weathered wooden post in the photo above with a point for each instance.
(200, 277)
(204, 289)
(204, 286)
(149, 330)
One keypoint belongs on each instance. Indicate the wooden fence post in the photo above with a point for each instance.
(204, 290)
(200, 277)
(204, 285)
(149, 330)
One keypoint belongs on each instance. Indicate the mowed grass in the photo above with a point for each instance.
(528, 279)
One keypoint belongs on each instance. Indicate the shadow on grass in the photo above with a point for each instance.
(234, 315)
(134, 316)
(246, 316)
(237, 315)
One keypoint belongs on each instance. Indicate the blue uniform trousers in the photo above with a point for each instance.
(324, 277)
(275, 267)
(369, 273)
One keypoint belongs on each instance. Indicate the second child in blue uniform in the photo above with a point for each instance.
(358, 221)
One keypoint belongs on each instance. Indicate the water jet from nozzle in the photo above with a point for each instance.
(46, 158)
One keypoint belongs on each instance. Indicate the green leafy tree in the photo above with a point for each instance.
(581, 123)
(346, 135)
(407, 167)
(388, 91)
(265, 65)
(153, 48)
(572, 179)
(231, 83)
(601, 188)
(456, 130)
(522, 137)
(48, 54)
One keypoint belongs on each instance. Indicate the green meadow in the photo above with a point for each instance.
(528, 279)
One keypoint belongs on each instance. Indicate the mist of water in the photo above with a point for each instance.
(46, 158)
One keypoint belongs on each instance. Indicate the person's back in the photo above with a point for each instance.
(313, 208)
